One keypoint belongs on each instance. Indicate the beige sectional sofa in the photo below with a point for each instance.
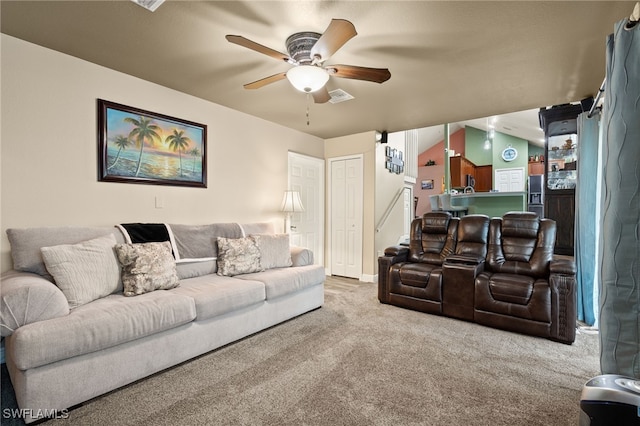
(59, 356)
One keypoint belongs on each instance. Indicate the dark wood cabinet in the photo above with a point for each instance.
(560, 128)
(484, 178)
(459, 168)
(559, 205)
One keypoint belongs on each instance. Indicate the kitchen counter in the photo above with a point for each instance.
(492, 204)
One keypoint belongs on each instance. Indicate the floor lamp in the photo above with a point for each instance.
(291, 203)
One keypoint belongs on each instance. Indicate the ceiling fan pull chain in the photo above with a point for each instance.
(308, 96)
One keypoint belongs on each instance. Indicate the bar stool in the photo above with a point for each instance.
(435, 203)
(445, 202)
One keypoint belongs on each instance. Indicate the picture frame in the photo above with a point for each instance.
(427, 184)
(138, 146)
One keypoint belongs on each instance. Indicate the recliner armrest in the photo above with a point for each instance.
(392, 255)
(397, 251)
(563, 266)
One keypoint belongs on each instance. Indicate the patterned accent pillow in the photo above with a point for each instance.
(238, 256)
(147, 267)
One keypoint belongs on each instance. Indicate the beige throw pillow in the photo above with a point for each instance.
(275, 250)
(147, 267)
(85, 271)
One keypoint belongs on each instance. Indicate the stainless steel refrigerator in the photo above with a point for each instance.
(536, 195)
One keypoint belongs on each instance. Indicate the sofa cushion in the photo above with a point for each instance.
(283, 281)
(191, 268)
(238, 256)
(275, 251)
(26, 243)
(98, 325)
(85, 271)
(147, 267)
(216, 295)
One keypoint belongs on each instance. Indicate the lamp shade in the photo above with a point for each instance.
(308, 78)
(291, 202)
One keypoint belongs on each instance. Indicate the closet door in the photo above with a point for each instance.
(346, 217)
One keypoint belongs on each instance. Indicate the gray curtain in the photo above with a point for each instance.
(620, 261)
(586, 214)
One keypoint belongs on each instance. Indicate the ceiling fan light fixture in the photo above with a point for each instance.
(308, 78)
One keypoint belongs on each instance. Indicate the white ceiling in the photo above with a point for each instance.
(449, 61)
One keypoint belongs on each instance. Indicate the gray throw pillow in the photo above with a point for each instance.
(275, 251)
(147, 267)
(238, 256)
(85, 271)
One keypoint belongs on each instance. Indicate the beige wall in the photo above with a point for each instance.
(387, 187)
(365, 144)
(49, 150)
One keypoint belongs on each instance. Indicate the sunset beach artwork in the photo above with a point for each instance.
(139, 146)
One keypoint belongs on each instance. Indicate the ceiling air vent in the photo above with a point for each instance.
(151, 5)
(339, 95)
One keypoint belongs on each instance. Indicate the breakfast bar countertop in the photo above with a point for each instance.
(492, 204)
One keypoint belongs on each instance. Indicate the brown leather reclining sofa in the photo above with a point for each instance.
(498, 272)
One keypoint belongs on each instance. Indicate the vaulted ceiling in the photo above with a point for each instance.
(449, 61)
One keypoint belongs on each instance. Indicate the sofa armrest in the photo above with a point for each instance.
(562, 266)
(27, 298)
(301, 256)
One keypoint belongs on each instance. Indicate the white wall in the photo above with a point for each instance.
(49, 150)
(387, 187)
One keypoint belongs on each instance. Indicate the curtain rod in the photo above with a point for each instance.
(635, 15)
(597, 99)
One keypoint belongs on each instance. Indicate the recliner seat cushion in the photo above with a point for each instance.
(418, 280)
(511, 288)
(492, 296)
(415, 274)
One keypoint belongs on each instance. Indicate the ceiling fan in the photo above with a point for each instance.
(307, 53)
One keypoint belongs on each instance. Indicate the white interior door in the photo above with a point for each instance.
(306, 175)
(346, 217)
(510, 180)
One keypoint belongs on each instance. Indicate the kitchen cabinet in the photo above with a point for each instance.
(459, 168)
(536, 168)
(484, 178)
(560, 127)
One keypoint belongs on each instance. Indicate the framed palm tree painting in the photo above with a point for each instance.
(137, 146)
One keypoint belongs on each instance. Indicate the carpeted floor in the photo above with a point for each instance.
(358, 362)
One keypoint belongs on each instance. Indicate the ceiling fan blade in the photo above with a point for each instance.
(335, 36)
(321, 96)
(267, 80)
(245, 42)
(377, 75)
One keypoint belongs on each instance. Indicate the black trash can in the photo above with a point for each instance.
(610, 400)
